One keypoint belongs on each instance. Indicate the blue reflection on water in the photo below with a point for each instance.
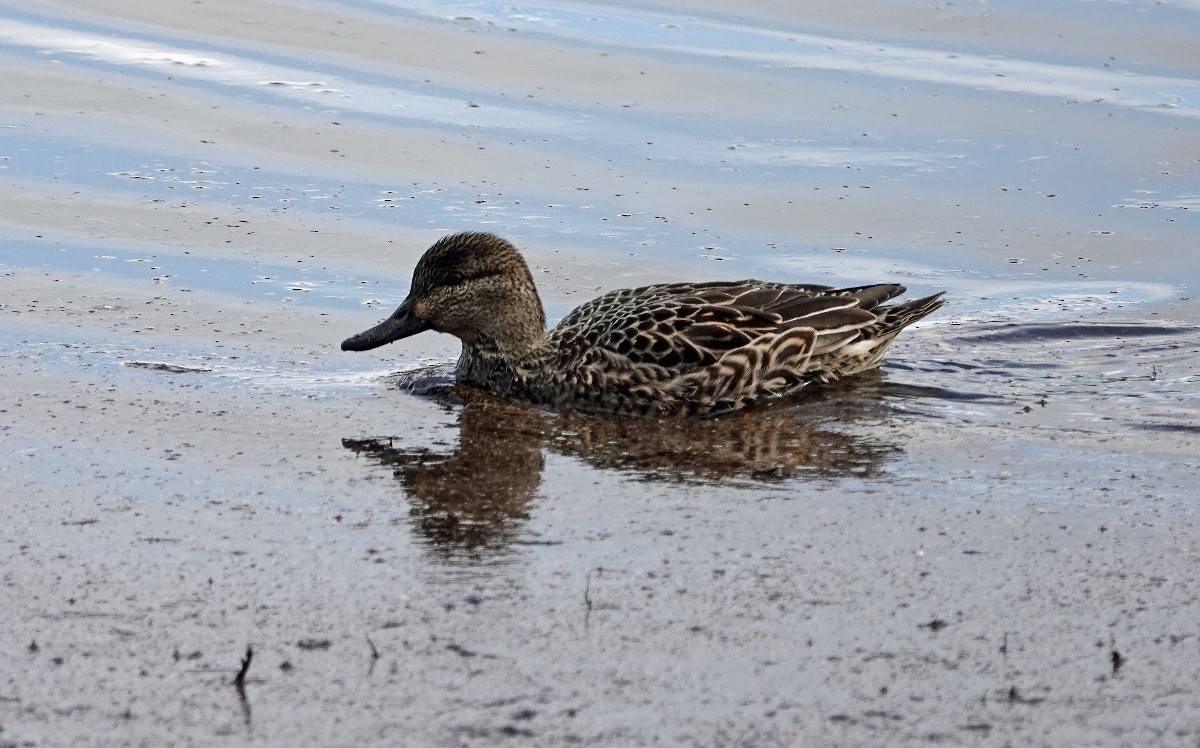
(296, 283)
(728, 40)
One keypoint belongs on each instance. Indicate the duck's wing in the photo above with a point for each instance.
(713, 347)
(683, 326)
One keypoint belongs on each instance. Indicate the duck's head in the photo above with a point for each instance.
(475, 286)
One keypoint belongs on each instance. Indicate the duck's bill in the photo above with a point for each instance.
(401, 324)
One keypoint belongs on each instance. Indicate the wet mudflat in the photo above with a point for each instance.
(992, 540)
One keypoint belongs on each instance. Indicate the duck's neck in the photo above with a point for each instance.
(501, 349)
(510, 335)
(512, 371)
(510, 351)
(499, 358)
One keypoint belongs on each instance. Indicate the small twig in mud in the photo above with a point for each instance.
(239, 682)
(587, 596)
(374, 651)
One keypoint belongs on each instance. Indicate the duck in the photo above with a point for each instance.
(658, 351)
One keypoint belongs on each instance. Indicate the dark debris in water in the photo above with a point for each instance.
(1074, 331)
(1117, 661)
(1014, 696)
(314, 644)
(167, 368)
(1185, 428)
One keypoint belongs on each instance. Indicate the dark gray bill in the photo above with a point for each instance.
(401, 324)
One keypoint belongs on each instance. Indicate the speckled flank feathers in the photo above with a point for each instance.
(663, 350)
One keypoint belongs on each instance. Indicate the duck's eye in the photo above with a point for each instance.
(454, 278)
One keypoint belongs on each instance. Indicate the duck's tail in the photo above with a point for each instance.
(873, 341)
(895, 318)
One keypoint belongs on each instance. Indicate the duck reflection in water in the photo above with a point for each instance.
(476, 499)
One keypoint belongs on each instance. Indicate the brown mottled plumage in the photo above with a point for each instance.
(663, 350)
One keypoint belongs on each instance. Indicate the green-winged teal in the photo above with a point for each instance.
(663, 350)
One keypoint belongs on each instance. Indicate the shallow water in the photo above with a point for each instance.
(991, 540)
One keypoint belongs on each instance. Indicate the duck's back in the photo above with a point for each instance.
(706, 348)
